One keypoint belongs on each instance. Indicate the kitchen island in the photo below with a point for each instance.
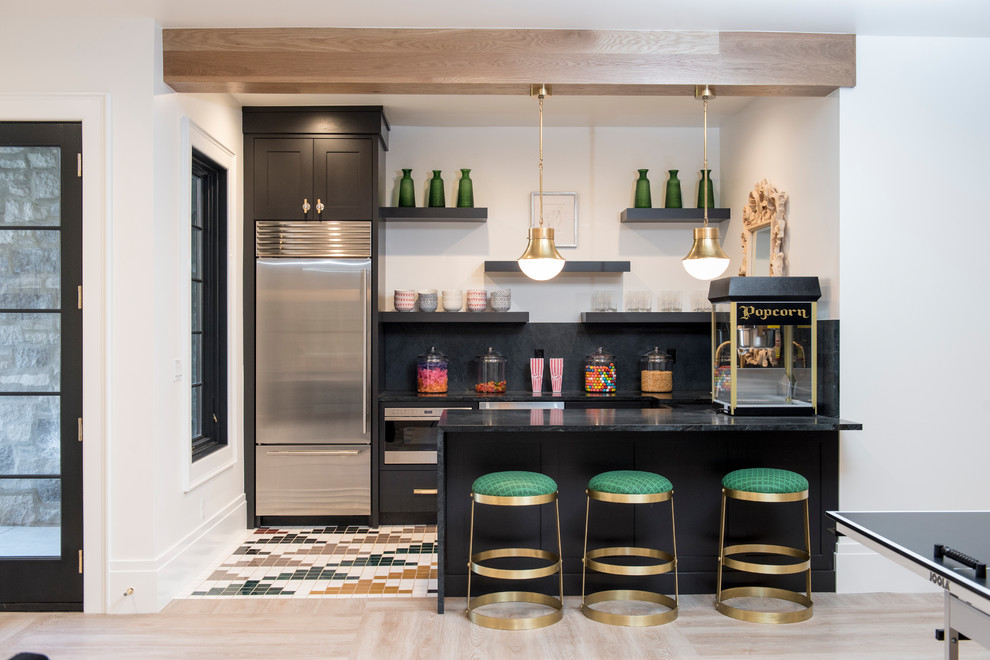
(693, 446)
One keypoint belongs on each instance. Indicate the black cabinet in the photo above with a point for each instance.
(313, 179)
(408, 495)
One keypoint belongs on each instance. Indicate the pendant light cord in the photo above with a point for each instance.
(541, 95)
(704, 172)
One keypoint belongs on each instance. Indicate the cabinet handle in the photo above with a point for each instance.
(305, 205)
(319, 206)
(424, 491)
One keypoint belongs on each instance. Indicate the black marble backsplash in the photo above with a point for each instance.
(462, 343)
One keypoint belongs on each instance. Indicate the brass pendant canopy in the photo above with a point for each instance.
(540, 260)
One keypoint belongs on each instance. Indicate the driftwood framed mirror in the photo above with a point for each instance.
(764, 224)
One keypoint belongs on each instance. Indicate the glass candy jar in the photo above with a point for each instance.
(655, 372)
(491, 373)
(599, 371)
(431, 372)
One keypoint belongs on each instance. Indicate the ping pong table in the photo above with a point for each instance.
(948, 548)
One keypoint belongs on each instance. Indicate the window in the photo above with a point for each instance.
(208, 305)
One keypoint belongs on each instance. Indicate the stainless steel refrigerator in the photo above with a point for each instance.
(312, 420)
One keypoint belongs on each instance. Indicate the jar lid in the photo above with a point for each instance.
(491, 355)
(432, 354)
(656, 355)
(600, 355)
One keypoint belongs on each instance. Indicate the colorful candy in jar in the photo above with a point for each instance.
(490, 387)
(431, 372)
(599, 372)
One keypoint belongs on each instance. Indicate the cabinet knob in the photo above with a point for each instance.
(319, 206)
(305, 205)
(424, 491)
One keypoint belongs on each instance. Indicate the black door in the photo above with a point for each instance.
(41, 521)
(283, 179)
(344, 176)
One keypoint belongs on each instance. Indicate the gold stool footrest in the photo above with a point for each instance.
(514, 574)
(510, 623)
(766, 569)
(755, 616)
(625, 569)
(629, 619)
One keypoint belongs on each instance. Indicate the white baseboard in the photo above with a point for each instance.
(861, 570)
(156, 582)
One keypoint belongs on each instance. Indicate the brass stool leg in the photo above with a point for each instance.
(475, 565)
(470, 554)
(666, 562)
(727, 558)
(807, 547)
(560, 552)
(721, 553)
(584, 553)
(673, 539)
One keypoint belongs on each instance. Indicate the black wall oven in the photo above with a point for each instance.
(410, 434)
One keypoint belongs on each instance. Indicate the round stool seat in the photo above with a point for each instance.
(630, 482)
(771, 481)
(514, 483)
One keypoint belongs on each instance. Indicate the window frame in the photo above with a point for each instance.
(224, 457)
(212, 318)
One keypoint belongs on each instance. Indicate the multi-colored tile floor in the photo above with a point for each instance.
(329, 562)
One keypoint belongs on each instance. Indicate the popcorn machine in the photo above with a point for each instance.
(765, 345)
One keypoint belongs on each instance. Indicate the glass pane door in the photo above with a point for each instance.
(40, 366)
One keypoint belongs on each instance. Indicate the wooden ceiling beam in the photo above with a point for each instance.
(461, 61)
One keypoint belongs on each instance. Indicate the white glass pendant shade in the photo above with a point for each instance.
(541, 261)
(706, 260)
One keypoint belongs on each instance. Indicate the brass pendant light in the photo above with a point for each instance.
(706, 260)
(541, 261)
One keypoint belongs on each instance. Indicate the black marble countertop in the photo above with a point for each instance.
(647, 398)
(688, 418)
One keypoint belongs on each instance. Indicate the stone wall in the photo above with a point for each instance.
(30, 352)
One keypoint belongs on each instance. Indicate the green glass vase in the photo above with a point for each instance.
(706, 182)
(673, 199)
(465, 191)
(642, 199)
(407, 190)
(436, 191)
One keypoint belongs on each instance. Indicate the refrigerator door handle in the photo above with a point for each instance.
(313, 452)
(364, 352)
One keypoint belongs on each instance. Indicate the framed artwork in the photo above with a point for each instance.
(559, 212)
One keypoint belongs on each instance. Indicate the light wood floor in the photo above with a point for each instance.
(847, 626)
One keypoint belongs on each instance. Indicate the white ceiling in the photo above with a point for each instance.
(967, 18)
(970, 18)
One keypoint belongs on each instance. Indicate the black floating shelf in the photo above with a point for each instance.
(646, 317)
(569, 267)
(428, 214)
(674, 215)
(454, 317)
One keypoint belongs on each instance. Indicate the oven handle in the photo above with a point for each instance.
(417, 418)
(313, 452)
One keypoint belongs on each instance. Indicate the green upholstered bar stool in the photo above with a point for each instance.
(765, 485)
(514, 488)
(629, 487)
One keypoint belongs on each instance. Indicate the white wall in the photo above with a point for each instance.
(913, 170)
(794, 144)
(599, 164)
(147, 532)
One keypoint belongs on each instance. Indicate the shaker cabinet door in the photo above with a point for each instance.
(283, 179)
(344, 178)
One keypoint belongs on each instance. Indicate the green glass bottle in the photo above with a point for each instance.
(706, 182)
(407, 190)
(642, 199)
(436, 191)
(465, 191)
(673, 199)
